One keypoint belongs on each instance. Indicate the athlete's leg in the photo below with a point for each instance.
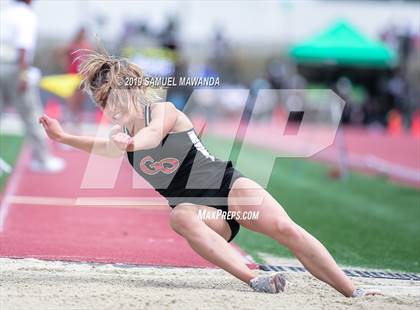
(208, 238)
(275, 223)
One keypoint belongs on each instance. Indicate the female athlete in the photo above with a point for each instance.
(162, 146)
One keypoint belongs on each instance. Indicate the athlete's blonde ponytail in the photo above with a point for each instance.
(105, 78)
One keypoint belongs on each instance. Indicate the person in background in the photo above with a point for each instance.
(72, 53)
(17, 85)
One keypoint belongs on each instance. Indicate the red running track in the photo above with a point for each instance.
(40, 219)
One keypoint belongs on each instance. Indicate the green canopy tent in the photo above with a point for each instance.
(342, 44)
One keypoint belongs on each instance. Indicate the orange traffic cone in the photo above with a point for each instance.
(394, 122)
(415, 124)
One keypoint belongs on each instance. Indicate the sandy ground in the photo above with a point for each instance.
(43, 285)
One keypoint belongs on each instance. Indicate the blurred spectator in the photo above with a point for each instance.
(401, 90)
(220, 55)
(168, 37)
(77, 47)
(264, 102)
(19, 81)
(277, 74)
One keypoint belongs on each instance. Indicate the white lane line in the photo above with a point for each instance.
(111, 202)
(124, 201)
(4, 167)
(36, 200)
(133, 201)
(12, 185)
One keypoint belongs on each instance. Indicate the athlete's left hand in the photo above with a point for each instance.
(52, 127)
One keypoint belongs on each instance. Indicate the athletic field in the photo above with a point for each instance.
(364, 221)
(60, 255)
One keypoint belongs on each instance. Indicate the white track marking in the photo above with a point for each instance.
(37, 200)
(121, 202)
(4, 166)
(112, 202)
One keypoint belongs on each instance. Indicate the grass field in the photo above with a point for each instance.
(9, 150)
(364, 221)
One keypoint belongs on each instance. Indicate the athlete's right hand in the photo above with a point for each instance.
(121, 140)
(52, 127)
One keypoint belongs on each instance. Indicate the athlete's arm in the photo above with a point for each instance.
(164, 116)
(113, 147)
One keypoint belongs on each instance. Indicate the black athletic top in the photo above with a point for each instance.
(181, 169)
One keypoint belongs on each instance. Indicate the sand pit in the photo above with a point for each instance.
(35, 284)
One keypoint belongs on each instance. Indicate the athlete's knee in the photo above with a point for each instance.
(182, 219)
(286, 231)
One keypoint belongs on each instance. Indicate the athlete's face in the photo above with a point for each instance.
(118, 115)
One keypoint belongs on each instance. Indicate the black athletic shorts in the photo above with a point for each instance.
(202, 196)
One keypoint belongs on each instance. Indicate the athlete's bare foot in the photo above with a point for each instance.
(269, 284)
(360, 292)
